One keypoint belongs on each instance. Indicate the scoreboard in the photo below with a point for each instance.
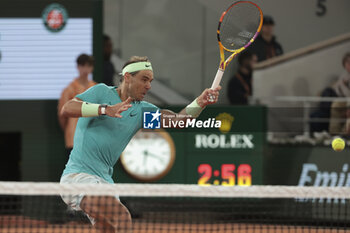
(228, 175)
(231, 155)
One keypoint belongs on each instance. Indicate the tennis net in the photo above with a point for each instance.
(38, 207)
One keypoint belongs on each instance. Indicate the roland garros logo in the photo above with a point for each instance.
(55, 17)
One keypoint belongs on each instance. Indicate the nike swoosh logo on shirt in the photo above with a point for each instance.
(132, 115)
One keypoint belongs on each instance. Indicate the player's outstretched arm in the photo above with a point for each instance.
(78, 108)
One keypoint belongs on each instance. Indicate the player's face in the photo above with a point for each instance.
(140, 84)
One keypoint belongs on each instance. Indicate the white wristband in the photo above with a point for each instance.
(89, 110)
(193, 109)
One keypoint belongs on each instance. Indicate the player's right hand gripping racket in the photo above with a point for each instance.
(238, 27)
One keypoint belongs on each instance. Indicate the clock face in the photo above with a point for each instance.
(149, 155)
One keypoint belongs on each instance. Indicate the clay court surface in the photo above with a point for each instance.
(19, 224)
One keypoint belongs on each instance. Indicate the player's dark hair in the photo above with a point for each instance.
(85, 59)
(345, 58)
(134, 59)
(244, 56)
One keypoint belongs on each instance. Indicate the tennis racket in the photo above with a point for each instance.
(238, 27)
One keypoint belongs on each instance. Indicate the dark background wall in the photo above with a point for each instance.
(41, 146)
(31, 139)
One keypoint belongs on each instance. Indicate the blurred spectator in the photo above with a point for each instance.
(85, 65)
(323, 111)
(108, 67)
(240, 85)
(342, 86)
(340, 113)
(265, 45)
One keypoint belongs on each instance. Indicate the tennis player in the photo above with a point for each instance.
(109, 117)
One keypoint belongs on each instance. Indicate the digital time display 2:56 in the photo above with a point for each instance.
(228, 175)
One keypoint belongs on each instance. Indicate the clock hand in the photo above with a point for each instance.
(155, 156)
(145, 154)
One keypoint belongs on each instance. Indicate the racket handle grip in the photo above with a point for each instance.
(217, 79)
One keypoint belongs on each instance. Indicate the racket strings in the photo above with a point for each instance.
(239, 25)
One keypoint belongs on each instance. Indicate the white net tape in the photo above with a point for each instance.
(171, 190)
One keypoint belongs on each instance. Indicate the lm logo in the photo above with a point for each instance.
(151, 120)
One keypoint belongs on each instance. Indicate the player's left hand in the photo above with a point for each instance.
(209, 96)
